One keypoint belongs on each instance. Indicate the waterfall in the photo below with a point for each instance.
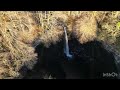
(66, 46)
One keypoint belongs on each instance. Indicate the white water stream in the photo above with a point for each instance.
(66, 46)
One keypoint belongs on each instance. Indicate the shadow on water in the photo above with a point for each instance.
(90, 61)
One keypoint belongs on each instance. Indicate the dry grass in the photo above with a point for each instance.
(18, 31)
(109, 30)
(85, 28)
(52, 36)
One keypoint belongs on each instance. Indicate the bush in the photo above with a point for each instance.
(19, 30)
(85, 28)
(16, 36)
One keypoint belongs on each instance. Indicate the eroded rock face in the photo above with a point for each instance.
(91, 61)
(104, 61)
(111, 48)
(91, 58)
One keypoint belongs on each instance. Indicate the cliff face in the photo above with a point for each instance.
(115, 53)
(91, 61)
(21, 30)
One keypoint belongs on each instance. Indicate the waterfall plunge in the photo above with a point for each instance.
(66, 46)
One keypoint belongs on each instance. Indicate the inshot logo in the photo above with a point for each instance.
(113, 74)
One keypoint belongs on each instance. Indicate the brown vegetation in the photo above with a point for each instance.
(19, 29)
(85, 28)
